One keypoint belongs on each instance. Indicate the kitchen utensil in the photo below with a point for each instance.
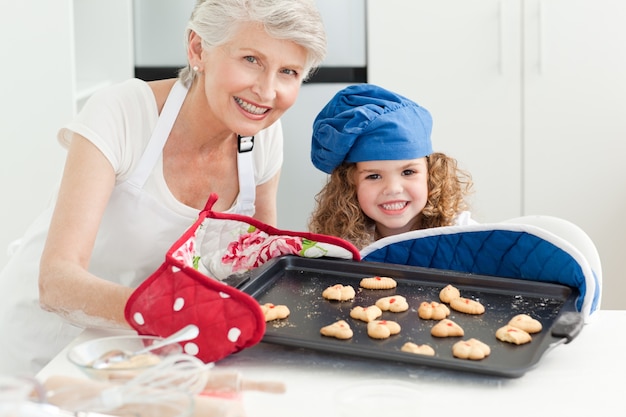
(115, 356)
(181, 372)
(190, 374)
(83, 355)
(87, 398)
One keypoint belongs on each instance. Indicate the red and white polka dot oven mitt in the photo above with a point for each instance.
(186, 289)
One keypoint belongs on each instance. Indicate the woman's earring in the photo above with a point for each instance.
(195, 68)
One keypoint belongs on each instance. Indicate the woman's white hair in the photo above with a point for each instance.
(299, 21)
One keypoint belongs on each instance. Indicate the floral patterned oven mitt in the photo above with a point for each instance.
(187, 287)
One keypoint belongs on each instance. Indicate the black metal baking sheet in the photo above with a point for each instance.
(298, 283)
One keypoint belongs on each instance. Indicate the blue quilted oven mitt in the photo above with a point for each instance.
(511, 250)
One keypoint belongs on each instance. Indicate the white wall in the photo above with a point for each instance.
(54, 55)
(300, 181)
(34, 104)
(159, 32)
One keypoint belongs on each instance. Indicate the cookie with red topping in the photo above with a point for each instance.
(339, 330)
(433, 311)
(382, 329)
(511, 334)
(447, 328)
(467, 306)
(366, 314)
(274, 312)
(449, 293)
(339, 292)
(472, 349)
(526, 323)
(378, 283)
(393, 303)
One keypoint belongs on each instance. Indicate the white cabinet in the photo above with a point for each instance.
(529, 95)
(459, 59)
(54, 55)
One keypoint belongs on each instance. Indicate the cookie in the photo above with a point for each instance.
(382, 329)
(411, 347)
(510, 334)
(393, 303)
(433, 311)
(447, 328)
(526, 323)
(449, 293)
(339, 330)
(339, 292)
(472, 349)
(274, 312)
(366, 314)
(466, 305)
(378, 283)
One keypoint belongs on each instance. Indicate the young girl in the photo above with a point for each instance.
(384, 177)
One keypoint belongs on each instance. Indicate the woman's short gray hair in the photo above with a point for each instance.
(299, 21)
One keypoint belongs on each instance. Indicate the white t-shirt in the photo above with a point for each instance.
(119, 121)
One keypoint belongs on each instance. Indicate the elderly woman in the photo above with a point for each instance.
(142, 160)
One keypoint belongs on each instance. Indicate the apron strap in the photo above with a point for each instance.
(247, 185)
(171, 108)
(159, 136)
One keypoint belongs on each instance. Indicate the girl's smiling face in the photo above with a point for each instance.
(392, 193)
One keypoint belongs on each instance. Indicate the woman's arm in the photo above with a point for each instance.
(265, 203)
(65, 285)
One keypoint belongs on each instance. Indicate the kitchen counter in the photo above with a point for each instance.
(582, 378)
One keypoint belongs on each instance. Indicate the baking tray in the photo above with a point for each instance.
(298, 283)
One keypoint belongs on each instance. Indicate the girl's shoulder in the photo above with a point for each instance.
(464, 218)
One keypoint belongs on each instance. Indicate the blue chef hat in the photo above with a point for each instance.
(365, 122)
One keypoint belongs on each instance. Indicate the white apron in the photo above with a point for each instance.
(136, 232)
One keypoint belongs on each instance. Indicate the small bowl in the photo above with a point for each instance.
(84, 354)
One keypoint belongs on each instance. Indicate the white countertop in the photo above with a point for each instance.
(585, 377)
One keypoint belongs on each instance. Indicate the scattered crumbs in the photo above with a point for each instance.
(282, 323)
(313, 314)
(307, 291)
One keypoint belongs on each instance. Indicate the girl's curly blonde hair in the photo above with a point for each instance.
(337, 211)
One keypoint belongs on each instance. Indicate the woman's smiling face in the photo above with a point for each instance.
(392, 193)
(253, 79)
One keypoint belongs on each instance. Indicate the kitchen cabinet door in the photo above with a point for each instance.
(530, 96)
(575, 122)
(461, 60)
